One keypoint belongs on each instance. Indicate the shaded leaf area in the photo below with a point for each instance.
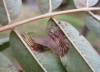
(4, 43)
(82, 3)
(36, 62)
(6, 65)
(81, 56)
(44, 6)
(13, 8)
(93, 23)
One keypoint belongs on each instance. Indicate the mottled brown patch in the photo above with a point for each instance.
(60, 39)
(34, 46)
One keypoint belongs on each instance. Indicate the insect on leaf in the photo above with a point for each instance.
(56, 34)
(81, 57)
(34, 59)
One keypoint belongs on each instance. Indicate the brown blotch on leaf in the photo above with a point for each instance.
(33, 46)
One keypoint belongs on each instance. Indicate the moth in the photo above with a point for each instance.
(32, 44)
(57, 35)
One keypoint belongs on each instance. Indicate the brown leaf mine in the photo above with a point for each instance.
(34, 46)
(56, 34)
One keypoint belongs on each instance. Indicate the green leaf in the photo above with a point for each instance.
(50, 61)
(4, 43)
(82, 3)
(33, 61)
(6, 65)
(44, 5)
(81, 56)
(93, 23)
(13, 8)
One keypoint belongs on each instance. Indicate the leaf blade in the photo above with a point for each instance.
(86, 51)
(81, 55)
(93, 24)
(31, 66)
(82, 3)
(6, 65)
(44, 5)
(13, 7)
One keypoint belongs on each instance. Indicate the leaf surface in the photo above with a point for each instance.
(93, 23)
(33, 61)
(13, 8)
(81, 56)
(82, 3)
(44, 5)
(6, 65)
